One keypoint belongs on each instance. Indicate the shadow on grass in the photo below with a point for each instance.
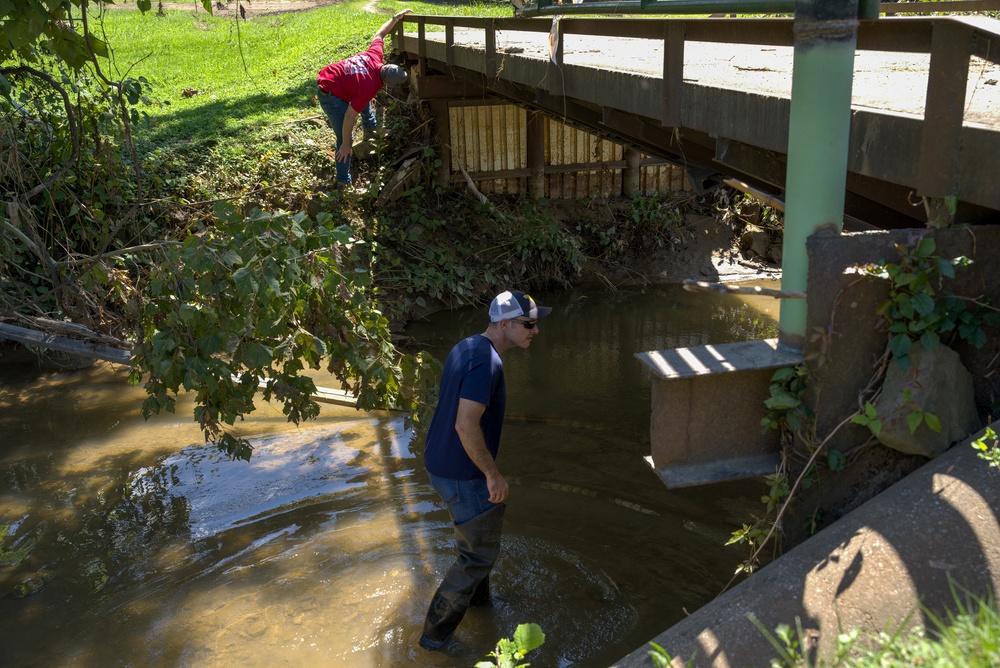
(218, 119)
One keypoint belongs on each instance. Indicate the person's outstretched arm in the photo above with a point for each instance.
(390, 24)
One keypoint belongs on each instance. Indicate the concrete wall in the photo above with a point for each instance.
(873, 569)
(846, 341)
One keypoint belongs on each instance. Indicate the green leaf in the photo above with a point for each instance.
(933, 422)
(837, 461)
(781, 400)
(256, 355)
(231, 257)
(913, 420)
(899, 345)
(783, 374)
(528, 637)
(246, 284)
(923, 303)
(929, 340)
(905, 306)
(926, 247)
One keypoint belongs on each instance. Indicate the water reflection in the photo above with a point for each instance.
(141, 546)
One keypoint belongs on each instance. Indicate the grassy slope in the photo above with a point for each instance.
(247, 73)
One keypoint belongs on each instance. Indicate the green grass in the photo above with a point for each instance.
(246, 73)
(968, 635)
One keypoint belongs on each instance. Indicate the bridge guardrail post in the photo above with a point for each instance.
(449, 44)
(491, 50)
(673, 72)
(944, 110)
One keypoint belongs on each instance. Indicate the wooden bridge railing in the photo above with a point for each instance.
(950, 41)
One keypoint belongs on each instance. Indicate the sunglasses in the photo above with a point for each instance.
(527, 324)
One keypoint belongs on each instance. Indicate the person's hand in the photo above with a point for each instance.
(344, 152)
(402, 14)
(498, 488)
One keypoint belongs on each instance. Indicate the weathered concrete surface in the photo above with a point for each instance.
(843, 308)
(689, 388)
(872, 569)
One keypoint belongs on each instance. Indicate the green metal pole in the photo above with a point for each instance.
(818, 140)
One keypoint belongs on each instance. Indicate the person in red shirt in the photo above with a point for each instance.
(346, 89)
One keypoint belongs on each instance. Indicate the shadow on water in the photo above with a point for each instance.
(132, 543)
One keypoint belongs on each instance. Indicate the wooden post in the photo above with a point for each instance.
(632, 174)
(442, 131)
(941, 137)
(536, 154)
(673, 73)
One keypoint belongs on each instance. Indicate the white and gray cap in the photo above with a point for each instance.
(512, 303)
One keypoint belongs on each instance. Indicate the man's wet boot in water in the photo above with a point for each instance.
(478, 542)
(482, 594)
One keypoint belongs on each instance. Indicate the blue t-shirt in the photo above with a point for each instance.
(472, 371)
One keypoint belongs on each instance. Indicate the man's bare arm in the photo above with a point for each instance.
(390, 24)
(346, 134)
(471, 435)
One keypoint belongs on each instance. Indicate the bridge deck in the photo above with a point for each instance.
(715, 92)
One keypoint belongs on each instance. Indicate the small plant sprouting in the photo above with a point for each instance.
(662, 659)
(990, 452)
(785, 409)
(869, 419)
(509, 652)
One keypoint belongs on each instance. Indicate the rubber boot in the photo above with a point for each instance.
(482, 594)
(478, 545)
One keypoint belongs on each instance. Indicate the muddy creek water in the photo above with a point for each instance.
(131, 543)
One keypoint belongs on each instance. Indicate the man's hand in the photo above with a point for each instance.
(498, 488)
(391, 23)
(344, 152)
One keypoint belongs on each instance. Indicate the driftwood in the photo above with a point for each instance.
(723, 288)
(83, 349)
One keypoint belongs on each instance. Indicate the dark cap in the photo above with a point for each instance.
(393, 74)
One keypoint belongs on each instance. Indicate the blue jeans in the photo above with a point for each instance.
(335, 110)
(466, 499)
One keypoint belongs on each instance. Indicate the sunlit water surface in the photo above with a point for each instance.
(131, 543)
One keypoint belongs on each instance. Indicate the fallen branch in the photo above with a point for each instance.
(121, 251)
(479, 195)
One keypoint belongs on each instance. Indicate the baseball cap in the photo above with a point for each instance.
(512, 303)
(392, 74)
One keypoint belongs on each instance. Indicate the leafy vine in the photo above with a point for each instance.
(917, 309)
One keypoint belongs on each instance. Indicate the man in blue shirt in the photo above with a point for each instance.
(460, 456)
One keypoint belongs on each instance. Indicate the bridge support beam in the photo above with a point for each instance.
(536, 154)
(632, 174)
(826, 34)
